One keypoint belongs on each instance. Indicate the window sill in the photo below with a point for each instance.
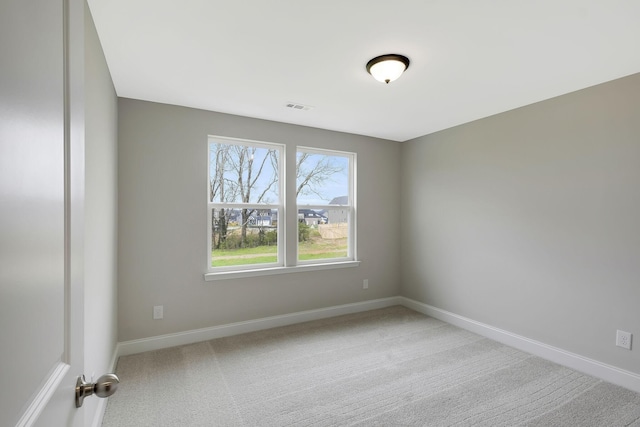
(210, 277)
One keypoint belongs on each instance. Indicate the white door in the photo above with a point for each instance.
(41, 208)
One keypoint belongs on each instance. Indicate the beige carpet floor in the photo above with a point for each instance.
(388, 367)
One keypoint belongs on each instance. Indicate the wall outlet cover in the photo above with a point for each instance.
(158, 312)
(623, 339)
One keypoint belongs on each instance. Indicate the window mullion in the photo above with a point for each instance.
(291, 209)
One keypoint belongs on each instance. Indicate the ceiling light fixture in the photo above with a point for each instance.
(387, 68)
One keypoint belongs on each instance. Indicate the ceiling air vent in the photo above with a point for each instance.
(300, 107)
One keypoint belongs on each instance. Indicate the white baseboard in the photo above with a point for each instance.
(205, 334)
(588, 366)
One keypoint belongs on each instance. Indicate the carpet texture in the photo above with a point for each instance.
(387, 367)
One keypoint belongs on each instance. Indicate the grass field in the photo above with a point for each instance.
(314, 248)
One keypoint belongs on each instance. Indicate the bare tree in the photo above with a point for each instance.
(249, 172)
(310, 175)
(239, 173)
(221, 189)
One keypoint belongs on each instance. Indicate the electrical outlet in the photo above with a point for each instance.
(158, 312)
(365, 284)
(623, 339)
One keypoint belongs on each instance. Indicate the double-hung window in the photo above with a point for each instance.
(326, 209)
(251, 226)
(245, 203)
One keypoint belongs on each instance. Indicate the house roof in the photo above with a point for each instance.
(341, 200)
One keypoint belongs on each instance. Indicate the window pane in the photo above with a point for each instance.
(322, 179)
(243, 174)
(244, 237)
(323, 234)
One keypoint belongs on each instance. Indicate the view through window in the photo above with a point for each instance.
(247, 205)
(323, 195)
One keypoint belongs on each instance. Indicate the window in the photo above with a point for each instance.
(244, 202)
(324, 195)
(248, 214)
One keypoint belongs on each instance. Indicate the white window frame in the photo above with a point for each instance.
(221, 205)
(350, 207)
(287, 258)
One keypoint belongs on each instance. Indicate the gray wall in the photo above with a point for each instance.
(162, 173)
(101, 121)
(528, 220)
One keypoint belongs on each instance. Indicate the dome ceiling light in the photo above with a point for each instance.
(387, 68)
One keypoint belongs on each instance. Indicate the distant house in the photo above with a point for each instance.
(311, 217)
(338, 215)
(257, 217)
(262, 218)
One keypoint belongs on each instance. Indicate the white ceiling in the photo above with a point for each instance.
(469, 58)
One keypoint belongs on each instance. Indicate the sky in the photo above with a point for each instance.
(329, 187)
